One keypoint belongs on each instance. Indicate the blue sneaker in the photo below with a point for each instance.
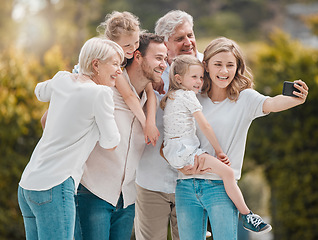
(254, 223)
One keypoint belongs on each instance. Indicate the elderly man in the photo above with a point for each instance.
(156, 179)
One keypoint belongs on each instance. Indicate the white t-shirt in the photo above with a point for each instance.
(180, 141)
(80, 114)
(230, 122)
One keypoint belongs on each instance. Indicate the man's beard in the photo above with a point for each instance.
(147, 72)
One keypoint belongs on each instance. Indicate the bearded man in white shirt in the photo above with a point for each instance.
(106, 195)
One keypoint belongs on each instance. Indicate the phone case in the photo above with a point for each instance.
(288, 89)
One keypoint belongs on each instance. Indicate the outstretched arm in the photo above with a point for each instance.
(280, 102)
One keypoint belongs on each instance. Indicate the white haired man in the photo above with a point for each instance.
(156, 179)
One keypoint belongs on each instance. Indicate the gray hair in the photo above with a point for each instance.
(97, 48)
(166, 25)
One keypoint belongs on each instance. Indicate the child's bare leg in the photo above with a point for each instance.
(227, 175)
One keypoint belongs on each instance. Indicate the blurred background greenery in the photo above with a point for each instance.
(279, 38)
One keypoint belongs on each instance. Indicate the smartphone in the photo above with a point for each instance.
(288, 89)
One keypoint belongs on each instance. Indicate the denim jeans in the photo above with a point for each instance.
(199, 199)
(97, 219)
(49, 214)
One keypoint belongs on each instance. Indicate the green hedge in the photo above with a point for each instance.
(286, 143)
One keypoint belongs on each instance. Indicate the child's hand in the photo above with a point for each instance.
(224, 158)
(158, 86)
(151, 133)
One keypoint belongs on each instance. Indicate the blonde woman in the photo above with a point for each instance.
(230, 104)
(181, 145)
(80, 115)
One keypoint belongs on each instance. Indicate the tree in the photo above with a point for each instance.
(20, 128)
(286, 143)
(312, 22)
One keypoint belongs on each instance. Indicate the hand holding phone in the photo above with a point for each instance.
(289, 88)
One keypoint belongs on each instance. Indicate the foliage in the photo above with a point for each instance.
(7, 25)
(286, 143)
(20, 129)
(223, 24)
(312, 22)
(18, 133)
(219, 17)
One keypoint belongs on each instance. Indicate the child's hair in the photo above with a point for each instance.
(97, 48)
(118, 23)
(180, 65)
(145, 38)
(243, 79)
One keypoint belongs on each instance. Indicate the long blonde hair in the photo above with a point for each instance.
(180, 65)
(243, 79)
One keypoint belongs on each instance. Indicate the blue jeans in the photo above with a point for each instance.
(199, 199)
(97, 219)
(49, 214)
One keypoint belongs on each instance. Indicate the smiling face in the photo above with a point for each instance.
(192, 79)
(182, 41)
(154, 62)
(129, 43)
(222, 69)
(108, 70)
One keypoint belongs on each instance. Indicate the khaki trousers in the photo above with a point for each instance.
(154, 210)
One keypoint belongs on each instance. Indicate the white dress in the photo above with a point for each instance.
(180, 141)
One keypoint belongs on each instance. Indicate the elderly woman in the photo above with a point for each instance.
(80, 114)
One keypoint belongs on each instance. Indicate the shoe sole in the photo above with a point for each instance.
(261, 232)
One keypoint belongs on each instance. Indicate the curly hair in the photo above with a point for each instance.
(118, 23)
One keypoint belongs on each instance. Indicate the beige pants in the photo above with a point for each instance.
(154, 210)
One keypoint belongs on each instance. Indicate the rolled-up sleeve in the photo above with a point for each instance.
(43, 91)
(104, 115)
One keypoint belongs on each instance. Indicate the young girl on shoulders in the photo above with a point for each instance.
(124, 29)
(181, 110)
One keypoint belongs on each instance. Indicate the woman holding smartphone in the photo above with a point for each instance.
(230, 104)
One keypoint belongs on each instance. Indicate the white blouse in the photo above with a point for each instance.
(80, 114)
(109, 173)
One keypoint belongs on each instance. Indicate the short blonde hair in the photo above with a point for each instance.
(100, 49)
(118, 23)
(180, 66)
(243, 79)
